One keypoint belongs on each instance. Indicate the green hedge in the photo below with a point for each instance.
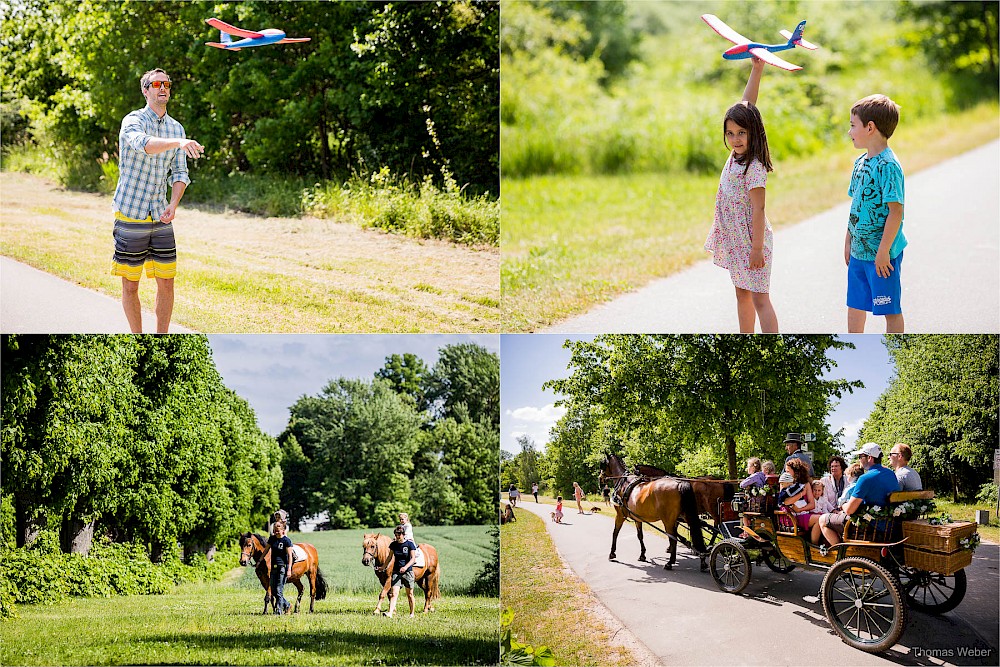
(40, 574)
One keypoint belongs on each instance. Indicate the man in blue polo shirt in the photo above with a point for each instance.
(873, 488)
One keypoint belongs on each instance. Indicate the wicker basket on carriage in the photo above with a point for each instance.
(937, 548)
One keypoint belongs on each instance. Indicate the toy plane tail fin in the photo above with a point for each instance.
(795, 38)
(226, 38)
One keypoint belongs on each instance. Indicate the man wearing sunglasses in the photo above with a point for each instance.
(873, 488)
(152, 156)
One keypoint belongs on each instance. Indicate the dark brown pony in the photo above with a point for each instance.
(711, 495)
(645, 500)
(375, 553)
(254, 546)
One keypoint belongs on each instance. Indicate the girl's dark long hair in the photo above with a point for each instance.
(748, 117)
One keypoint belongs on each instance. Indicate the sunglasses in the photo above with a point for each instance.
(157, 84)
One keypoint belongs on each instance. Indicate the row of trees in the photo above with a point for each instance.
(409, 86)
(695, 405)
(133, 435)
(413, 439)
(943, 401)
(702, 405)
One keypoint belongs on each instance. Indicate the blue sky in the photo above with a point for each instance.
(528, 360)
(273, 371)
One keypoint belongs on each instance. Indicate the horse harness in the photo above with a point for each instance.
(624, 485)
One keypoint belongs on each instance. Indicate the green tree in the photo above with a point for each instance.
(361, 438)
(465, 383)
(958, 37)
(704, 391)
(943, 402)
(409, 376)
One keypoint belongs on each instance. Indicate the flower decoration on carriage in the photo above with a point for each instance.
(761, 491)
(970, 542)
(940, 520)
(905, 511)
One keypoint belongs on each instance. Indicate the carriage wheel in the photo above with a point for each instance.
(932, 592)
(864, 604)
(730, 566)
(778, 563)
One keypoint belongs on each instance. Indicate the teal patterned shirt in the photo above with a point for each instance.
(875, 183)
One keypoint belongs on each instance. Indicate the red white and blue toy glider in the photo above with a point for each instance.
(250, 37)
(745, 48)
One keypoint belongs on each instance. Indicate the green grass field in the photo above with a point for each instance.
(220, 623)
(571, 242)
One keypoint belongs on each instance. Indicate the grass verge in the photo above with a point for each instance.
(240, 274)
(571, 242)
(967, 512)
(547, 598)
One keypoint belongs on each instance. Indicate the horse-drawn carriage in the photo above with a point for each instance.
(885, 564)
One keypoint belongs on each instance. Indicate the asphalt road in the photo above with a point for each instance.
(32, 301)
(684, 619)
(950, 276)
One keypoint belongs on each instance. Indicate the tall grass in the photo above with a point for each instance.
(380, 200)
(666, 113)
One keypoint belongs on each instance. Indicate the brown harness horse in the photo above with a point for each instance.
(646, 500)
(254, 549)
(375, 553)
(711, 495)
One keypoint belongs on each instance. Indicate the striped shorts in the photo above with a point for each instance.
(143, 243)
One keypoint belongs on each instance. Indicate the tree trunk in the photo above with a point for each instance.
(77, 537)
(324, 138)
(731, 456)
(192, 549)
(26, 526)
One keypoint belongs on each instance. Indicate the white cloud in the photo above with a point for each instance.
(851, 429)
(549, 414)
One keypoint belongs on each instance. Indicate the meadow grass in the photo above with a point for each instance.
(264, 275)
(967, 512)
(549, 602)
(221, 623)
(572, 242)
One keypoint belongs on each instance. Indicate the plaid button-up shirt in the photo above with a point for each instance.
(143, 179)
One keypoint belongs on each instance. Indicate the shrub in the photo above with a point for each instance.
(487, 581)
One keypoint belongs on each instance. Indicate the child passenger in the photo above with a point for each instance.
(757, 477)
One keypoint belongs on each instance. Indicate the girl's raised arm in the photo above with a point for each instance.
(753, 83)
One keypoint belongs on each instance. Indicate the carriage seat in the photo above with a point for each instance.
(903, 496)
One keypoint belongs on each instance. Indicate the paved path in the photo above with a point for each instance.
(32, 301)
(685, 619)
(951, 281)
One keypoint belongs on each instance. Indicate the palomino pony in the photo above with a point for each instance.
(254, 546)
(375, 552)
(645, 500)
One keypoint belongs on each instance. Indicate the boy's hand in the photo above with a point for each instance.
(757, 258)
(883, 266)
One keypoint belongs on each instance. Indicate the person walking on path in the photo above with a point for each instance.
(512, 495)
(873, 247)
(741, 239)
(578, 495)
(153, 151)
(534, 490)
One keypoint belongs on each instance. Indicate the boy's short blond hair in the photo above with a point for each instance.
(880, 110)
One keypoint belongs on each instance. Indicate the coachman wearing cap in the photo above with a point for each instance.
(873, 488)
(793, 445)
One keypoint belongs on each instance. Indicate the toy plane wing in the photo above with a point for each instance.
(289, 40)
(719, 26)
(772, 59)
(232, 30)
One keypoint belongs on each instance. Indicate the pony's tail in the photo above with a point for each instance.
(320, 585)
(689, 506)
(435, 582)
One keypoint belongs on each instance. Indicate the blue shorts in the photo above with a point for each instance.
(866, 290)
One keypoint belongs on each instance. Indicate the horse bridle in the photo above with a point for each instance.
(252, 556)
(374, 554)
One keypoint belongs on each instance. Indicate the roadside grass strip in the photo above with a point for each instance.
(549, 602)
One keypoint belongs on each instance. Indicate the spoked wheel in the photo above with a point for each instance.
(932, 592)
(730, 566)
(778, 563)
(864, 604)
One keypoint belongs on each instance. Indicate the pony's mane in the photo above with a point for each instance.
(263, 540)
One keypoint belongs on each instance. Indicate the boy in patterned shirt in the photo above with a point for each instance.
(873, 248)
(153, 151)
